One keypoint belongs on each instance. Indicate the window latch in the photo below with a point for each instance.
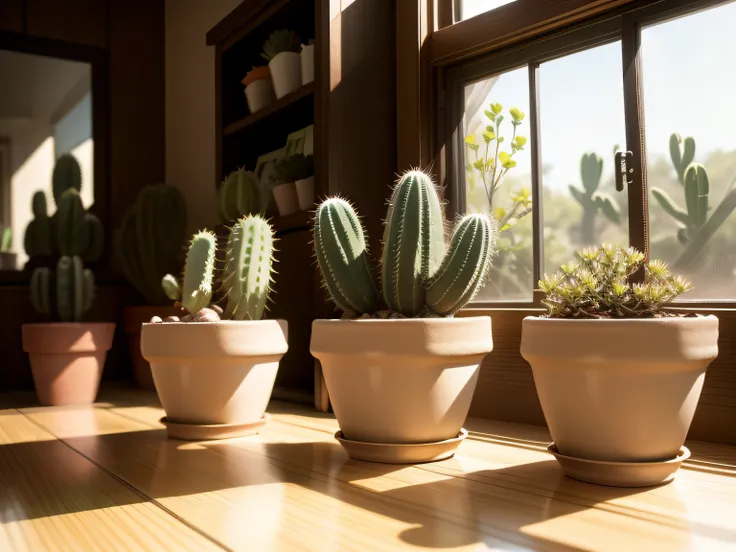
(624, 170)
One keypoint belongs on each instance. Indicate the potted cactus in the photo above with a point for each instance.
(8, 259)
(618, 375)
(77, 231)
(400, 369)
(149, 245)
(258, 88)
(296, 189)
(67, 357)
(214, 368)
(282, 52)
(239, 195)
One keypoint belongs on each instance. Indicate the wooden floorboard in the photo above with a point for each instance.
(293, 488)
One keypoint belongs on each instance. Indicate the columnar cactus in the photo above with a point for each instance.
(151, 239)
(37, 240)
(67, 175)
(420, 278)
(246, 277)
(591, 200)
(682, 154)
(239, 195)
(75, 289)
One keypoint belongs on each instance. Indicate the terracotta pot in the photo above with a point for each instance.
(286, 73)
(619, 390)
(305, 193)
(133, 319)
(401, 381)
(215, 372)
(286, 199)
(67, 359)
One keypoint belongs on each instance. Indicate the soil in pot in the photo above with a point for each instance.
(133, 319)
(214, 373)
(619, 390)
(67, 360)
(404, 381)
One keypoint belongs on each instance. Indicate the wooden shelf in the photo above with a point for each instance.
(275, 107)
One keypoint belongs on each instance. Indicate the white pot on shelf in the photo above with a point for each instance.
(286, 199)
(259, 94)
(307, 59)
(286, 73)
(305, 193)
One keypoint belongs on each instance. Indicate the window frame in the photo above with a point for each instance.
(624, 24)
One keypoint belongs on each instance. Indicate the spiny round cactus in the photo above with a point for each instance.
(239, 195)
(413, 243)
(341, 251)
(67, 175)
(248, 267)
(419, 278)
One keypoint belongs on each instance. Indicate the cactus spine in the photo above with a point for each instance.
(75, 289)
(37, 240)
(591, 200)
(339, 244)
(464, 267)
(199, 272)
(239, 195)
(151, 239)
(249, 266)
(419, 277)
(413, 243)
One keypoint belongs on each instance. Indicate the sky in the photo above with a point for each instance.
(689, 87)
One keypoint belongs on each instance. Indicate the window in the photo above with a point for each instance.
(532, 132)
(466, 9)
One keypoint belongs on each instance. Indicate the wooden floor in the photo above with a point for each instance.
(106, 478)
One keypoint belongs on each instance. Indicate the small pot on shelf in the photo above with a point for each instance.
(307, 62)
(286, 198)
(282, 51)
(305, 193)
(259, 91)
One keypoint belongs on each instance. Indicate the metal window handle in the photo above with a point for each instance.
(624, 163)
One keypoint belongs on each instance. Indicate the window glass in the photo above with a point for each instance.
(471, 8)
(498, 178)
(581, 125)
(690, 116)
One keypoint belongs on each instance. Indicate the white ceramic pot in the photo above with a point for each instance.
(286, 199)
(619, 390)
(305, 193)
(259, 94)
(401, 381)
(215, 372)
(286, 73)
(307, 59)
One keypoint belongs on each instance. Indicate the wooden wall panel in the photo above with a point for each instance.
(11, 15)
(137, 96)
(74, 21)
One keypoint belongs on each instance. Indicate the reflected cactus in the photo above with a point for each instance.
(37, 240)
(67, 175)
(420, 278)
(239, 195)
(75, 289)
(246, 277)
(591, 200)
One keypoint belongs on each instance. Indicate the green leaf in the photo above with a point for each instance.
(509, 164)
(478, 164)
(470, 140)
(516, 114)
(488, 136)
(490, 114)
(503, 157)
(499, 120)
(496, 108)
(520, 141)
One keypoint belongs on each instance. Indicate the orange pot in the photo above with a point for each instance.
(133, 318)
(67, 359)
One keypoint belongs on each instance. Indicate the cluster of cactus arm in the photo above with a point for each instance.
(591, 199)
(420, 276)
(245, 279)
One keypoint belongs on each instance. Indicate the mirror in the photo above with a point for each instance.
(45, 112)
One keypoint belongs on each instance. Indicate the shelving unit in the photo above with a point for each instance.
(352, 106)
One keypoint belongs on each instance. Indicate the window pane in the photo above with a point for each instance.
(498, 177)
(581, 125)
(690, 116)
(471, 8)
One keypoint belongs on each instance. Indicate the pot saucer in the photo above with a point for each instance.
(211, 432)
(392, 453)
(620, 474)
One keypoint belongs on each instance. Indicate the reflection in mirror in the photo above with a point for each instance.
(45, 113)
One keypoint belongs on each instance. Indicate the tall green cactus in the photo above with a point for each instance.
(682, 154)
(249, 266)
(151, 239)
(419, 277)
(67, 175)
(37, 240)
(339, 234)
(239, 195)
(246, 277)
(75, 289)
(591, 200)
(413, 243)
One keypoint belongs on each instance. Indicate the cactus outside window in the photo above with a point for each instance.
(421, 276)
